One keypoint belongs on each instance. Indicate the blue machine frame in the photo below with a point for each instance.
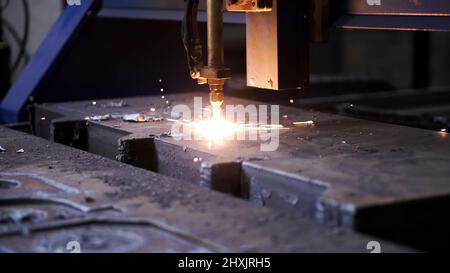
(34, 75)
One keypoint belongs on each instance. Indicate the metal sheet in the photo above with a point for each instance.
(109, 206)
(331, 172)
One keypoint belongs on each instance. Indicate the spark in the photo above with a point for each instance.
(162, 89)
(43, 118)
(443, 133)
(291, 101)
(197, 159)
(215, 129)
(308, 123)
(94, 103)
(152, 109)
(163, 97)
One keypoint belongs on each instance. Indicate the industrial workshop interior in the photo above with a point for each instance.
(224, 126)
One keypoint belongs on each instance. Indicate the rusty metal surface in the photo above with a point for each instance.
(343, 172)
(52, 194)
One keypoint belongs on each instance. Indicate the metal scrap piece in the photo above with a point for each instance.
(2, 150)
(100, 118)
(308, 123)
(20, 151)
(141, 118)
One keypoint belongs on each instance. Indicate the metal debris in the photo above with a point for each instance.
(141, 118)
(20, 151)
(308, 123)
(2, 150)
(100, 118)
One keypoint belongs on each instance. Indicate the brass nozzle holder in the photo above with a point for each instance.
(216, 91)
(215, 73)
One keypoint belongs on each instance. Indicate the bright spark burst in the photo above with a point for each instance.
(215, 129)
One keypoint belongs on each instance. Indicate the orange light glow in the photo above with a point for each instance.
(215, 129)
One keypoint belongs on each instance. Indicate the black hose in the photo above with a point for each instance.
(24, 41)
(191, 38)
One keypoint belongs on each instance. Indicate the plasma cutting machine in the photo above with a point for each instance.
(279, 33)
(278, 38)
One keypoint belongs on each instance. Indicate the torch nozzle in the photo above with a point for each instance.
(216, 99)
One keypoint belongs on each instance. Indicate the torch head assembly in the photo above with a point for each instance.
(215, 73)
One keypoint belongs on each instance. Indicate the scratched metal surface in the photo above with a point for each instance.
(347, 173)
(52, 194)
